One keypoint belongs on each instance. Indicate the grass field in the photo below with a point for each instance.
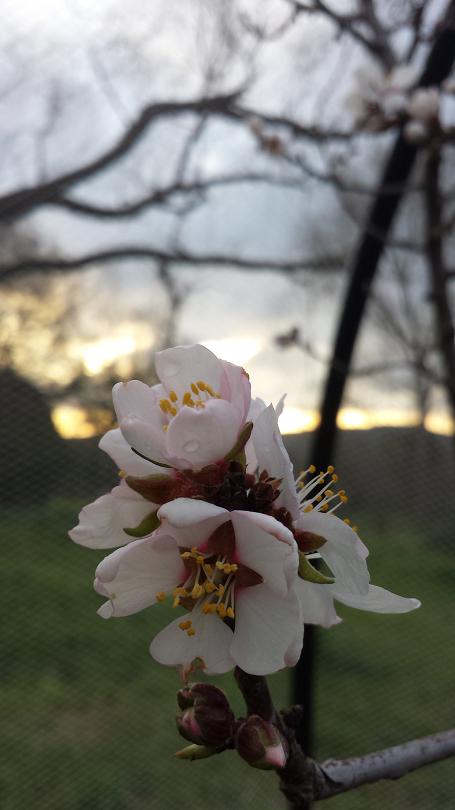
(87, 716)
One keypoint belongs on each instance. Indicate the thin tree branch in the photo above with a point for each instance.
(160, 197)
(180, 257)
(377, 42)
(332, 777)
(21, 202)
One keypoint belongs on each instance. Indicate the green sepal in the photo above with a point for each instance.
(237, 453)
(194, 751)
(146, 526)
(311, 574)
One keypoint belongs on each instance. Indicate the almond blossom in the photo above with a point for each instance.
(214, 520)
(320, 533)
(234, 574)
(192, 417)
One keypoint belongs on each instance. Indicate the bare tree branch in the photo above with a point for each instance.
(180, 257)
(21, 202)
(161, 197)
(376, 41)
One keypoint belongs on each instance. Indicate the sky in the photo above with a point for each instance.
(75, 73)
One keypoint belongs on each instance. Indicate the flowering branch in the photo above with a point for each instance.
(303, 779)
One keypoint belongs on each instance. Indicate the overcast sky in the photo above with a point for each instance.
(74, 73)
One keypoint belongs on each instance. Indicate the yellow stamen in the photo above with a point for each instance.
(230, 613)
(355, 529)
(185, 625)
(194, 389)
(191, 632)
(330, 469)
(160, 596)
(201, 385)
(311, 469)
(180, 592)
(209, 587)
(334, 478)
(221, 610)
(173, 396)
(173, 411)
(187, 399)
(308, 508)
(185, 555)
(165, 405)
(200, 559)
(347, 521)
(208, 569)
(197, 591)
(122, 474)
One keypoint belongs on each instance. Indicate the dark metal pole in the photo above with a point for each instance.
(365, 263)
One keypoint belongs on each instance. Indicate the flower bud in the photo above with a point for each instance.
(206, 717)
(260, 744)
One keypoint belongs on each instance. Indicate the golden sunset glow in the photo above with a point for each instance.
(75, 422)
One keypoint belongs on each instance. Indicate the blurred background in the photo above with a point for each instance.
(179, 171)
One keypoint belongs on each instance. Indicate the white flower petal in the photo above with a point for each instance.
(273, 457)
(257, 405)
(145, 438)
(266, 629)
(180, 366)
(173, 647)
(236, 388)
(115, 445)
(191, 521)
(201, 436)
(135, 398)
(377, 600)
(266, 546)
(316, 602)
(102, 522)
(343, 552)
(132, 576)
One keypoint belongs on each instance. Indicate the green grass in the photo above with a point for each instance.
(88, 717)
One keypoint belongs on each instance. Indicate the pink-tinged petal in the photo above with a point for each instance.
(115, 445)
(235, 386)
(276, 560)
(343, 552)
(134, 398)
(273, 457)
(145, 438)
(266, 627)
(257, 405)
(131, 577)
(377, 600)
(316, 602)
(201, 436)
(191, 521)
(102, 523)
(211, 642)
(180, 366)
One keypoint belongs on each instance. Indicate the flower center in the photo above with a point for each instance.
(212, 578)
(200, 392)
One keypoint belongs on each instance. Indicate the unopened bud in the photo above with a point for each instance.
(206, 716)
(260, 744)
